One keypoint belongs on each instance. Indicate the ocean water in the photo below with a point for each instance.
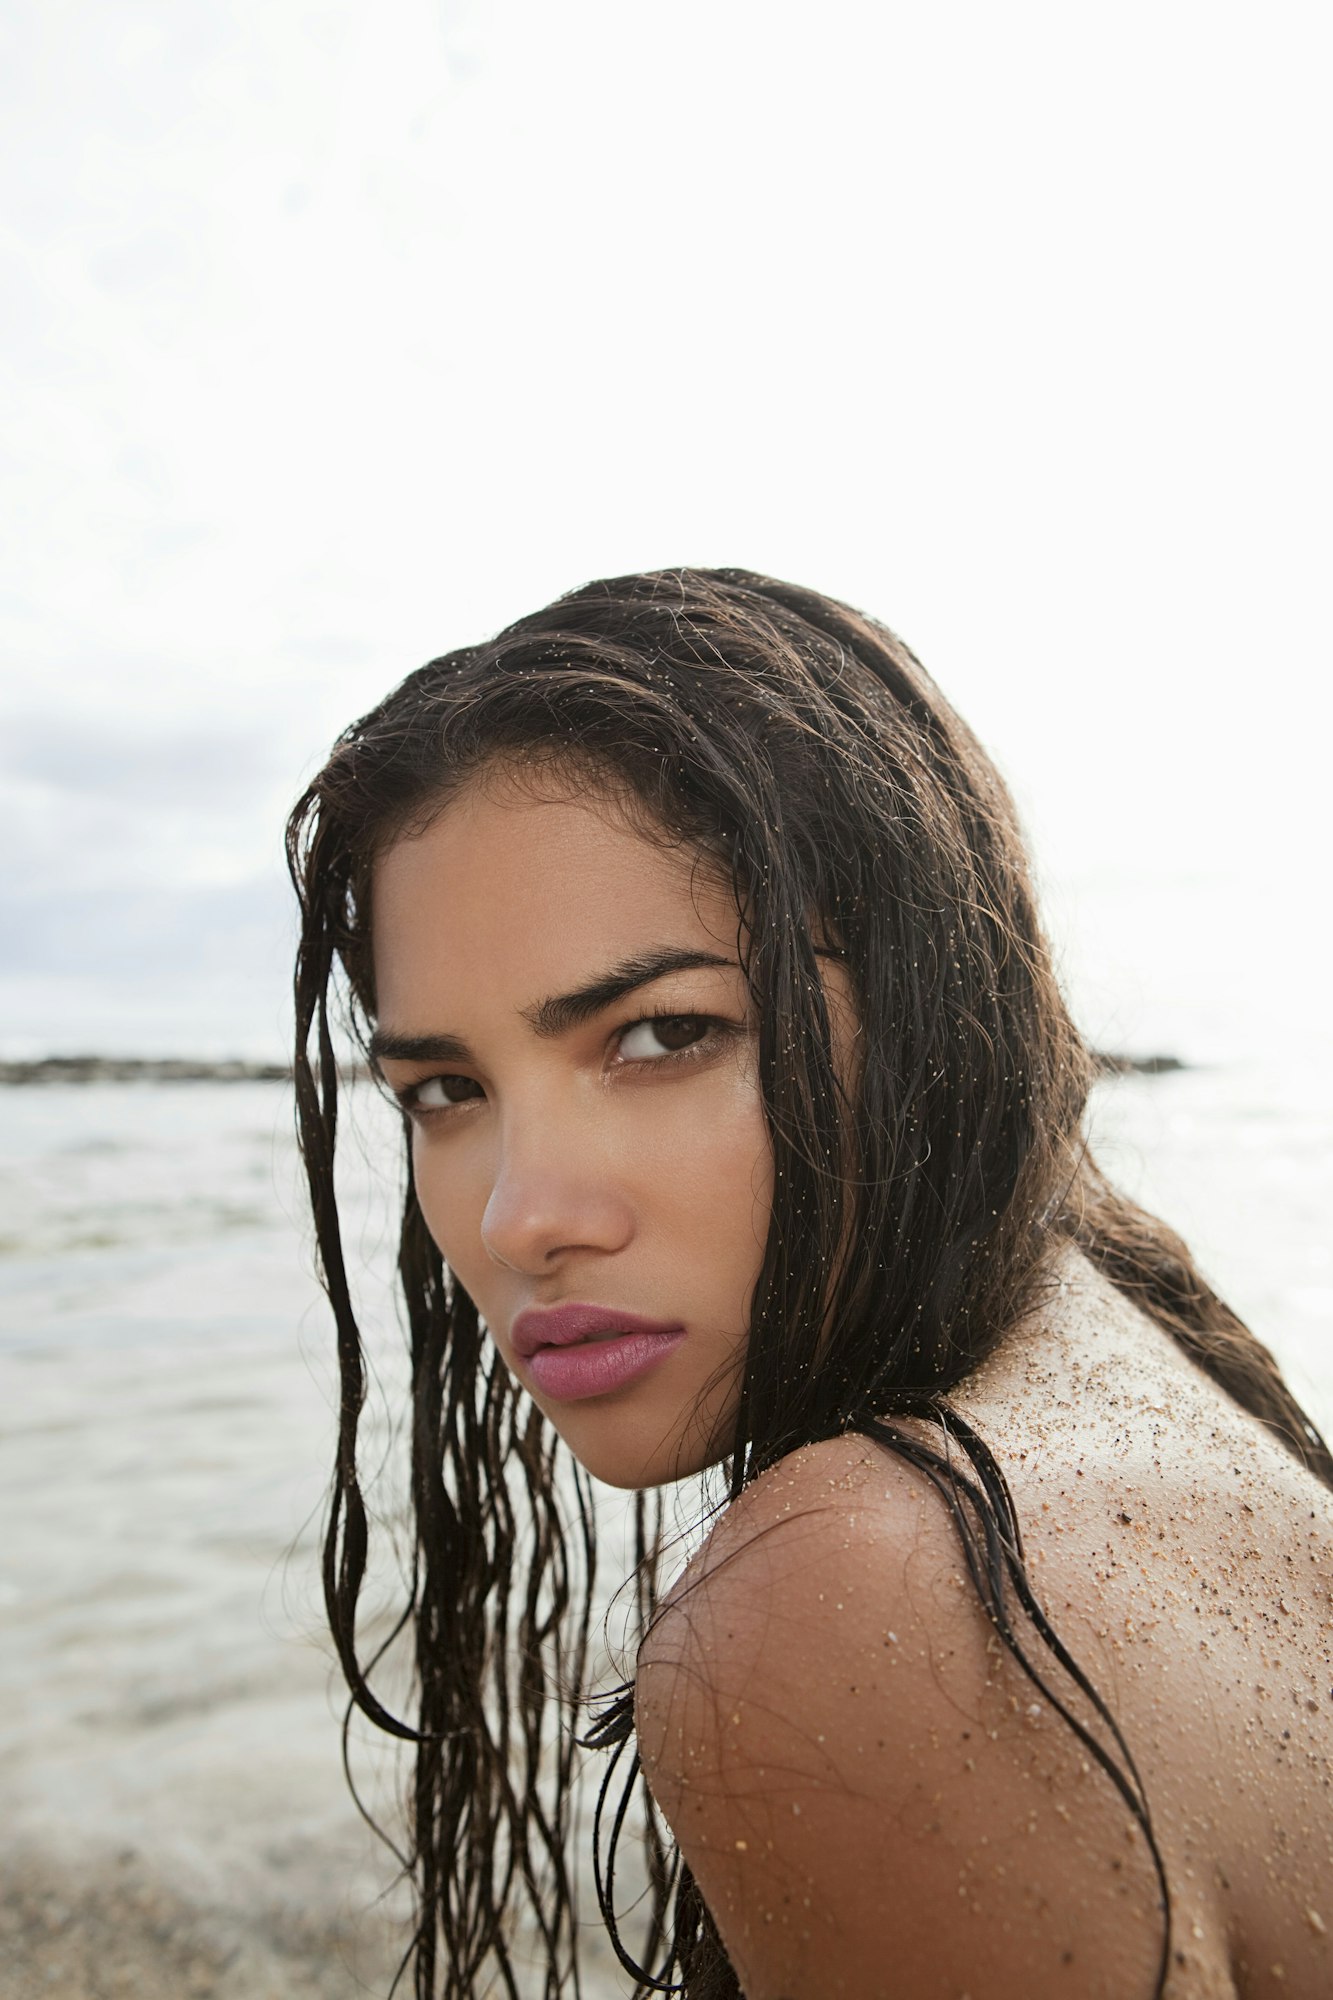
(166, 1426)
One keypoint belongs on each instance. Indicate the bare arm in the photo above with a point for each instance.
(870, 1796)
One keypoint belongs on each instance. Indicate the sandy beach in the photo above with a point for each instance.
(175, 1816)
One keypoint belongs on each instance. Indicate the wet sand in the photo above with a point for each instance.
(113, 1927)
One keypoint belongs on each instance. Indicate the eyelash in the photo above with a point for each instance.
(716, 1031)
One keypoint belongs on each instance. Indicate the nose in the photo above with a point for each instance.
(553, 1196)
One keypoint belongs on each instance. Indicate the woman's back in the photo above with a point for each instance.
(1190, 1561)
(945, 1810)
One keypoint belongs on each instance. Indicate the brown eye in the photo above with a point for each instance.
(437, 1093)
(663, 1035)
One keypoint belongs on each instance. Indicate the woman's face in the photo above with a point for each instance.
(563, 1016)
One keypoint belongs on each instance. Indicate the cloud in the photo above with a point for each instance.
(103, 811)
(216, 772)
(148, 971)
(142, 935)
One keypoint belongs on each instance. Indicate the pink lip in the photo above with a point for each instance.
(577, 1351)
(563, 1326)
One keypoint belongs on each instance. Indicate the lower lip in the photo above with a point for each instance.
(597, 1367)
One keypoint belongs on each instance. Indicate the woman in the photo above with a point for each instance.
(691, 931)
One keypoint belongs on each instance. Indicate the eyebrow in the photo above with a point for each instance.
(559, 1013)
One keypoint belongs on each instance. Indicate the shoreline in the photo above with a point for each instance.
(142, 1069)
(82, 1069)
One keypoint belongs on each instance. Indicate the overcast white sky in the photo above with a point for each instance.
(337, 335)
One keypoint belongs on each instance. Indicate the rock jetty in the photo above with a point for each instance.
(142, 1069)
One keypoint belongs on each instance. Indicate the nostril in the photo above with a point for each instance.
(527, 1228)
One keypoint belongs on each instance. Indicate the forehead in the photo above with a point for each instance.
(528, 890)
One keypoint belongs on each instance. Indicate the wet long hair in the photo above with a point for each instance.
(917, 1207)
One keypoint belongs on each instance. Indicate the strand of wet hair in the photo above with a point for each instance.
(347, 1535)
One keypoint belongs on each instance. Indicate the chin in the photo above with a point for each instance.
(639, 1477)
(606, 1448)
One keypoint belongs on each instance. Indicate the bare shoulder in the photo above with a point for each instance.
(858, 1775)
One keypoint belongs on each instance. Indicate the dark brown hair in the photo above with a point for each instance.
(801, 747)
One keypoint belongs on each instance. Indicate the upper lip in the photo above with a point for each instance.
(562, 1326)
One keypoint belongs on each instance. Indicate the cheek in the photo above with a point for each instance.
(451, 1194)
(715, 1176)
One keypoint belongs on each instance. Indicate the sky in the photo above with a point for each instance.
(334, 336)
